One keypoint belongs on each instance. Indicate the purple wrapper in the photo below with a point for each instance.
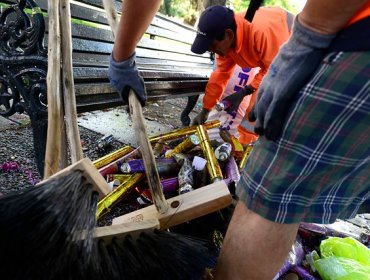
(303, 273)
(164, 165)
(170, 184)
(8, 166)
(295, 257)
(314, 227)
(115, 166)
(232, 171)
(222, 105)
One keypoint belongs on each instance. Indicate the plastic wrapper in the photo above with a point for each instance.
(178, 133)
(245, 156)
(343, 259)
(189, 143)
(185, 176)
(117, 195)
(303, 273)
(164, 166)
(339, 229)
(295, 257)
(213, 166)
(115, 166)
(237, 147)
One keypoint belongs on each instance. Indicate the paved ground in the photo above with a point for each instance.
(160, 117)
(118, 123)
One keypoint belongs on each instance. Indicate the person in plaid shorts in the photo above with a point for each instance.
(312, 160)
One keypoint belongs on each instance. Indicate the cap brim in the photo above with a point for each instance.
(201, 44)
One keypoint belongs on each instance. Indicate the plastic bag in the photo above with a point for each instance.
(343, 259)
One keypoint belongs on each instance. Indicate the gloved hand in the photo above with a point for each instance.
(124, 76)
(237, 97)
(201, 117)
(295, 63)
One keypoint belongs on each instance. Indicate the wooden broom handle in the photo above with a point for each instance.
(139, 126)
(147, 153)
(55, 107)
(70, 108)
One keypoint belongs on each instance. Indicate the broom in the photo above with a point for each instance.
(48, 232)
(42, 227)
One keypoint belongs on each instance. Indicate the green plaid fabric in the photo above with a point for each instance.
(320, 168)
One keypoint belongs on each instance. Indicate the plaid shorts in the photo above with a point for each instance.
(319, 170)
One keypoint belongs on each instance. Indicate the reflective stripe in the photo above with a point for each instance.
(247, 125)
(289, 20)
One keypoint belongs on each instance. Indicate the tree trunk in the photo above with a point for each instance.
(204, 4)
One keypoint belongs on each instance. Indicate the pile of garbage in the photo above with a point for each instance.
(187, 160)
(330, 252)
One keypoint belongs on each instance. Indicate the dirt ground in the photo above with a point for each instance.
(17, 147)
(17, 144)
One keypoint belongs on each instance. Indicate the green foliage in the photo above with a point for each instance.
(187, 10)
(242, 5)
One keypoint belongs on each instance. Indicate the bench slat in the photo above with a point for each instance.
(89, 73)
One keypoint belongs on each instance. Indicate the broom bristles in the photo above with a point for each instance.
(40, 227)
(41, 230)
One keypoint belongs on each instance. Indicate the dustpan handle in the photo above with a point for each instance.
(147, 153)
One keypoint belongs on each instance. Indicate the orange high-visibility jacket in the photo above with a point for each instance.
(361, 14)
(257, 43)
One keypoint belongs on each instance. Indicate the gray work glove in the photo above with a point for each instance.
(295, 63)
(124, 75)
(201, 117)
(237, 97)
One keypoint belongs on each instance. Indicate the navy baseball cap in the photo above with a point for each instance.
(212, 24)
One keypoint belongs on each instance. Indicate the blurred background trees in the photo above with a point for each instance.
(189, 11)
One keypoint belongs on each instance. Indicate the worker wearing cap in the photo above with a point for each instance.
(239, 42)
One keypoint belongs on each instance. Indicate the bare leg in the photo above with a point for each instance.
(254, 248)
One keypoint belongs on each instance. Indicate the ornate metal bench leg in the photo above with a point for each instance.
(39, 128)
(185, 119)
(23, 68)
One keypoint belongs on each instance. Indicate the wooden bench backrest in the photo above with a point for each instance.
(164, 58)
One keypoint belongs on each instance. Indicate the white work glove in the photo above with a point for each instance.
(295, 63)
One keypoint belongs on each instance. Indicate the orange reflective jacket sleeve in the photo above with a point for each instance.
(218, 81)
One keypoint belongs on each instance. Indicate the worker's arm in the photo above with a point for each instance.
(328, 17)
(313, 31)
(215, 87)
(123, 73)
(135, 19)
(217, 81)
